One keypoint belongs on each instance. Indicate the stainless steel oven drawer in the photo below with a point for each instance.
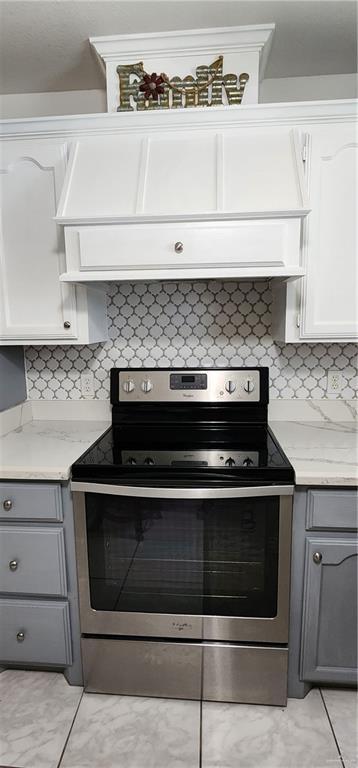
(207, 671)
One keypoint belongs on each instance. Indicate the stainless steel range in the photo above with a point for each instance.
(183, 533)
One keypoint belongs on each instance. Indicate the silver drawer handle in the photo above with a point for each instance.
(20, 637)
(7, 505)
(67, 324)
(178, 247)
(13, 565)
(317, 558)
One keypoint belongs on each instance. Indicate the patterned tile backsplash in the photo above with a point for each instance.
(190, 324)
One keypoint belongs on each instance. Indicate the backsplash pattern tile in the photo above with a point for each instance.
(190, 324)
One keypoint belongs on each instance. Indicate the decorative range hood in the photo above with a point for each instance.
(184, 193)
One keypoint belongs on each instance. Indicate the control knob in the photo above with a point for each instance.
(148, 460)
(131, 460)
(128, 386)
(146, 386)
(230, 386)
(247, 462)
(229, 462)
(249, 386)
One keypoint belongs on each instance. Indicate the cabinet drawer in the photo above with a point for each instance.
(35, 632)
(331, 510)
(30, 501)
(32, 560)
(187, 245)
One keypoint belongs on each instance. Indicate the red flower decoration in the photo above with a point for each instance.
(152, 86)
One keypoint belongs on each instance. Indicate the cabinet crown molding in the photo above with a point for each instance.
(250, 115)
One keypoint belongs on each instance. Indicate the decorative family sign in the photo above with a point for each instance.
(158, 91)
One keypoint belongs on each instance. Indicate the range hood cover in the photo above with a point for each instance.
(170, 174)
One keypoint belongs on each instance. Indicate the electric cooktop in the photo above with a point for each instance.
(187, 427)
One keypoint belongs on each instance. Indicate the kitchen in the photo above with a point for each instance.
(179, 333)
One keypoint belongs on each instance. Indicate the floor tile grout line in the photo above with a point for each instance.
(70, 731)
(332, 729)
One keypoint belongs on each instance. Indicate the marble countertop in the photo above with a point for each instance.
(41, 440)
(45, 450)
(321, 452)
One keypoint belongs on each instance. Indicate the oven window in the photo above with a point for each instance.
(216, 557)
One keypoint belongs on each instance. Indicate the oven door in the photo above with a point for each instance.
(199, 563)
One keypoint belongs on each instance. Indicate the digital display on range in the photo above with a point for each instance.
(188, 381)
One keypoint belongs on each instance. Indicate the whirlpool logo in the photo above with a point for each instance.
(180, 625)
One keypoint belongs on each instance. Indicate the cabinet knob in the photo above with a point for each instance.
(178, 247)
(67, 324)
(13, 565)
(20, 637)
(317, 558)
(7, 505)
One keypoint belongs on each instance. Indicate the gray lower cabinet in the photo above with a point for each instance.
(32, 560)
(39, 616)
(35, 632)
(30, 501)
(329, 629)
(323, 621)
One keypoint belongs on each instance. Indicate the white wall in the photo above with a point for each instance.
(14, 105)
(88, 102)
(309, 88)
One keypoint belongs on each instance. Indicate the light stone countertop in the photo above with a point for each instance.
(42, 439)
(45, 450)
(321, 452)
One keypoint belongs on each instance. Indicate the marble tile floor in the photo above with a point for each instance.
(45, 723)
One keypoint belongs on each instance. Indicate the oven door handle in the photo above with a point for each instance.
(183, 493)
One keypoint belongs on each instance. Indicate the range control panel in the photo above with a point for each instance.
(210, 386)
(188, 459)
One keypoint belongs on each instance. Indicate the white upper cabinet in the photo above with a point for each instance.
(233, 197)
(323, 306)
(329, 299)
(31, 258)
(35, 306)
(236, 192)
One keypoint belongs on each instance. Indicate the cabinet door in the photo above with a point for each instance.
(329, 630)
(328, 300)
(34, 303)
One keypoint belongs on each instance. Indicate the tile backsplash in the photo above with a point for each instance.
(190, 324)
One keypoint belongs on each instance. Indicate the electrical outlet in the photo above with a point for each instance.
(334, 382)
(87, 385)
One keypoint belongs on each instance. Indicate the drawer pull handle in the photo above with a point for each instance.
(20, 637)
(7, 505)
(317, 558)
(67, 324)
(178, 247)
(13, 565)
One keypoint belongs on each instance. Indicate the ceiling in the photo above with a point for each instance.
(44, 43)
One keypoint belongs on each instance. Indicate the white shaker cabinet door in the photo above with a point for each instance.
(329, 291)
(34, 304)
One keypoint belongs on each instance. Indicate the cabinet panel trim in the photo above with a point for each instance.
(312, 597)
